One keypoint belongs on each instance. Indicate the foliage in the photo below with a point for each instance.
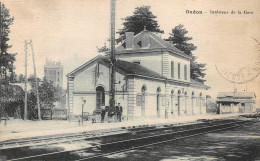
(6, 59)
(103, 49)
(31, 81)
(11, 98)
(21, 78)
(142, 18)
(211, 106)
(46, 96)
(180, 41)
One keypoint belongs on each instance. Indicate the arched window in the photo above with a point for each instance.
(100, 97)
(158, 90)
(143, 90)
(172, 102)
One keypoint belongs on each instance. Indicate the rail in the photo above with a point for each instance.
(130, 144)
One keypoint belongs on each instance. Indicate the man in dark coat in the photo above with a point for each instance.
(103, 113)
(119, 111)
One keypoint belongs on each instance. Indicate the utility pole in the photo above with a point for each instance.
(25, 77)
(0, 30)
(1, 52)
(112, 56)
(36, 82)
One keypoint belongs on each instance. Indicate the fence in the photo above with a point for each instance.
(54, 114)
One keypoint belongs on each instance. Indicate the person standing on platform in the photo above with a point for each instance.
(119, 111)
(103, 113)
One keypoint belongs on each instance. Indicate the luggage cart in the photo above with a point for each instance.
(109, 116)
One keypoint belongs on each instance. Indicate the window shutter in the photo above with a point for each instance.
(172, 69)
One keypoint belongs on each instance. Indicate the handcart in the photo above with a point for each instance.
(105, 114)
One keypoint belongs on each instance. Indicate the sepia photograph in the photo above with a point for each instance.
(129, 80)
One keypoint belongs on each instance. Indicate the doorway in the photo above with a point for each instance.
(143, 101)
(172, 103)
(192, 103)
(158, 101)
(100, 97)
(200, 103)
(179, 102)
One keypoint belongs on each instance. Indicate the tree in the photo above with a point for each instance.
(103, 49)
(31, 81)
(46, 95)
(11, 98)
(21, 78)
(6, 59)
(142, 18)
(180, 41)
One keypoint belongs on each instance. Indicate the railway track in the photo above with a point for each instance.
(136, 139)
(75, 137)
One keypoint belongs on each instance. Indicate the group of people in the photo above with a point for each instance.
(118, 110)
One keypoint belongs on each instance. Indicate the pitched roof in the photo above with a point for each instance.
(237, 94)
(196, 83)
(149, 40)
(132, 68)
(227, 100)
(128, 68)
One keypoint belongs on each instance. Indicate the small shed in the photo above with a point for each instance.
(236, 102)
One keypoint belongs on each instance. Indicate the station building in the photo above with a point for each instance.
(236, 102)
(152, 81)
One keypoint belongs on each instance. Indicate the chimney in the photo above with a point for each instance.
(129, 39)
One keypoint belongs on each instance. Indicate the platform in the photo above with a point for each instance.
(17, 129)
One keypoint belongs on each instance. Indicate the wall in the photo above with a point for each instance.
(169, 102)
(85, 84)
(182, 62)
(150, 97)
(151, 61)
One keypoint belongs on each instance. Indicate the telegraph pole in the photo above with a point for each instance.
(1, 27)
(25, 77)
(1, 31)
(36, 82)
(112, 55)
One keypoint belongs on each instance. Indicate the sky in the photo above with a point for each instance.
(70, 31)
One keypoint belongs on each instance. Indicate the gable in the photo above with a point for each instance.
(122, 67)
(147, 41)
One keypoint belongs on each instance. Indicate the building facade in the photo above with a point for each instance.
(53, 71)
(152, 81)
(236, 102)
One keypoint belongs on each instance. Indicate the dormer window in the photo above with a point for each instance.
(124, 45)
(140, 43)
(137, 62)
